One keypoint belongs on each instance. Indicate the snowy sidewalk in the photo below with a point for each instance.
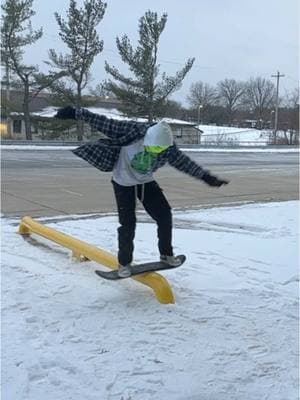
(232, 334)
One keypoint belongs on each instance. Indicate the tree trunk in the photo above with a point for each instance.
(8, 119)
(79, 129)
(150, 116)
(151, 108)
(230, 116)
(26, 111)
(79, 124)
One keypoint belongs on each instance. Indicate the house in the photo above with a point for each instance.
(15, 120)
(184, 132)
(42, 113)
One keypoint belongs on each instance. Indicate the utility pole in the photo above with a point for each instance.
(199, 113)
(278, 76)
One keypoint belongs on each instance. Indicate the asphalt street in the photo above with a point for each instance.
(55, 182)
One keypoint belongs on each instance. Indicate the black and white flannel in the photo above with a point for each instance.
(104, 153)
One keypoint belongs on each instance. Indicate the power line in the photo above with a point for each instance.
(292, 79)
(114, 54)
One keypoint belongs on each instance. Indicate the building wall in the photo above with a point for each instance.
(185, 134)
(3, 129)
(17, 128)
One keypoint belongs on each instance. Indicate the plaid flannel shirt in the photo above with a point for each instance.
(104, 153)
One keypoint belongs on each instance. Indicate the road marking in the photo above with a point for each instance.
(69, 191)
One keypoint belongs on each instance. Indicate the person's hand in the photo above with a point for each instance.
(66, 113)
(213, 180)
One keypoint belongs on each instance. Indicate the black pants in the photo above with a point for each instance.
(156, 206)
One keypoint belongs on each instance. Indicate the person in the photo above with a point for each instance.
(133, 151)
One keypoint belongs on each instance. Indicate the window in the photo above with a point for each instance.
(17, 126)
(178, 132)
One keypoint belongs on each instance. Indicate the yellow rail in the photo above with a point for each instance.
(82, 250)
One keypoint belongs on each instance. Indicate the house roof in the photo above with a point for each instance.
(49, 112)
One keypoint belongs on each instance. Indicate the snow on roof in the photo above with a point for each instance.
(49, 112)
(179, 122)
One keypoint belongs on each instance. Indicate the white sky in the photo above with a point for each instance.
(229, 38)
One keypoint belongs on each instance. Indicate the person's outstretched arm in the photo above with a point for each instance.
(184, 164)
(112, 128)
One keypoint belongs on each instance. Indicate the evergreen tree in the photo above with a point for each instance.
(144, 95)
(79, 33)
(16, 34)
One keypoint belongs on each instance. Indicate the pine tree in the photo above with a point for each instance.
(144, 95)
(17, 33)
(79, 33)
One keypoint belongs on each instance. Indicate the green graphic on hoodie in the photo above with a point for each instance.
(143, 162)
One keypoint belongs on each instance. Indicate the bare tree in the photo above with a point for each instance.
(259, 96)
(291, 103)
(201, 93)
(292, 98)
(230, 93)
(202, 96)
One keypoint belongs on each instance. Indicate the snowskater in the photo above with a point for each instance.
(133, 151)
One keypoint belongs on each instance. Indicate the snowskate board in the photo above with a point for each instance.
(140, 269)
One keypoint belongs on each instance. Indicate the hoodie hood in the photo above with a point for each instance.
(159, 134)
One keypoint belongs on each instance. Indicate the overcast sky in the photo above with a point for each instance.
(235, 39)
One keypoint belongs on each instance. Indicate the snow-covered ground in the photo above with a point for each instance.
(234, 136)
(232, 334)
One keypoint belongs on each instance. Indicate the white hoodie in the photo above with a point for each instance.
(135, 165)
